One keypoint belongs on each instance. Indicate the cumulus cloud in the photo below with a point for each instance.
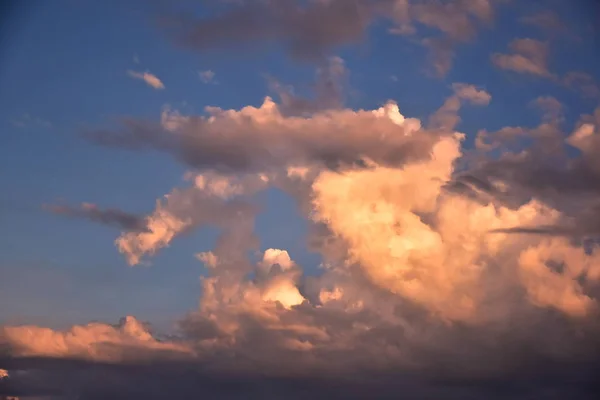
(528, 56)
(426, 271)
(150, 79)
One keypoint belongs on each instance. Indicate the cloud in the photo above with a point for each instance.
(111, 216)
(310, 31)
(150, 79)
(548, 132)
(95, 341)
(457, 22)
(314, 30)
(207, 76)
(552, 109)
(260, 138)
(344, 199)
(447, 116)
(426, 285)
(584, 224)
(583, 83)
(330, 89)
(547, 20)
(205, 203)
(60, 379)
(529, 56)
(28, 121)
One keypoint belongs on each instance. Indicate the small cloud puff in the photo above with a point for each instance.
(150, 79)
(207, 76)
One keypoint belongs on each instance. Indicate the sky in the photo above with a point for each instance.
(292, 198)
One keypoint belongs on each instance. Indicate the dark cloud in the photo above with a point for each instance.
(309, 29)
(110, 216)
(330, 90)
(582, 82)
(584, 223)
(541, 163)
(457, 362)
(260, 141)
(547, 20)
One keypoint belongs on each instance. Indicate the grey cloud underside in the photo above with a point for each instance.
(252, 151)
(573, 189)
(437, 360)
(467, 363)
(585, 223)
(110, 216)
(533, 179)
(309, 31)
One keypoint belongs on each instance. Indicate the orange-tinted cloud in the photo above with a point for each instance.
(150, 79)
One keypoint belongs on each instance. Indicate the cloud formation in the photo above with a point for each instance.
(259, 138)
(150, 79)
(313, 30)
(432, 268)
(451, 266)
(528, 56)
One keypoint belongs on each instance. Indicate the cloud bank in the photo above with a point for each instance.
(466, 271)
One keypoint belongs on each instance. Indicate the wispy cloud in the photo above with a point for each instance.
(546, 19)
(28, 121)
(207, 76)
(111, 216)
(150, 79)
(582, 82)
(313, 30)
(529, 56)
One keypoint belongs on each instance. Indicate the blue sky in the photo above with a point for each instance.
(63, 71)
